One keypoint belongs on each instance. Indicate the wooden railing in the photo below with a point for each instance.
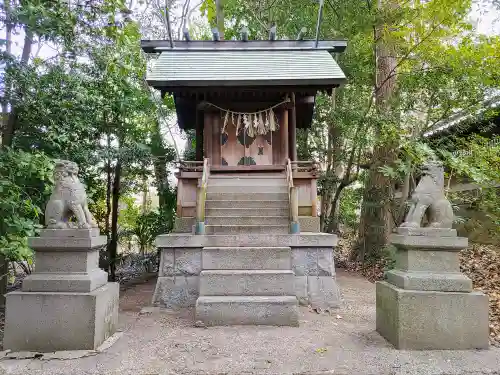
(305, 166)
(202, 197)
(293, 199)
(190, 166)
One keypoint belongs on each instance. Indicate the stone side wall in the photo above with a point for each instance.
(309, 224)
(315, 282)
(314, 270)
(177, 284)
(184, 224)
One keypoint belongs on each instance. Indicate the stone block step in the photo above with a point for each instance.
(247, 239)
(246, 229)
(257, 204)
(248, 189)
(244, 212)
(248, 310)
(247, 220)
(247, 283)
(246, 258)
(251, 176)
(253, 181)
(247, 196)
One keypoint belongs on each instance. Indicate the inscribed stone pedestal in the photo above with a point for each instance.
(426, 302)
(67, 303)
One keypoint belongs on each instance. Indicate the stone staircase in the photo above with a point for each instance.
(247, 204)
(242, 285)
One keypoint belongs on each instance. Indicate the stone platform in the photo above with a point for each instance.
(182, 263)
(425, 302)
(51, 321)
(67, 303)
(165, 342)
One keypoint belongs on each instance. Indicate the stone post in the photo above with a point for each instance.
(294, 210)
(67, 303)
(425, 302)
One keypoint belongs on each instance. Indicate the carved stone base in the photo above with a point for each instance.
(67, 303)
(51, 321)
(426, 303)
(444, 282)
(430, 320)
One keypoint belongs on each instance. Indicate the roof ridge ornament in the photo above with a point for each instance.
(272, 32)
(318, 24)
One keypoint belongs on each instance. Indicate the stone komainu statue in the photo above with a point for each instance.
(428, 198)
(68, 199)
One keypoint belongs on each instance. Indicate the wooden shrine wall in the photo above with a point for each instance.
(231, 149)
(228, 149)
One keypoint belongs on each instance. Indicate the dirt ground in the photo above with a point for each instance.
(163, 342)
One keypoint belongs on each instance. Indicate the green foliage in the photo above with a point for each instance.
(207, 9)
(350, 204)
(190, 149)
(140, 225)
(89, 103)
(25, 183)
(441, 66)
(477, 159)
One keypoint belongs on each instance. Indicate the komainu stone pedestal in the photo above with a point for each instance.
(67, 303)
(426, 303)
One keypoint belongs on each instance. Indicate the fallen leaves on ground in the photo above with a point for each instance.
(482, 264)
(321, 350)
(372, 272)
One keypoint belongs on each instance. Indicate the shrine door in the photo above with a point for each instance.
(241, 149)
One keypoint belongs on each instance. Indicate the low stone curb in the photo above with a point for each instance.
(63, 354)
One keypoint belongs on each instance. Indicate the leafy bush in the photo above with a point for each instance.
(350, 205)
(25, 184)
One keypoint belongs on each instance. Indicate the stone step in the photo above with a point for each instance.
(247, 239)
(251, 176)
(248, 310)
(245, 212)
(245, 189)
(256, 204)
(247, 220)
(247, 196)
(247, 229)
(246, 258)
(253, 181)
(247, 283)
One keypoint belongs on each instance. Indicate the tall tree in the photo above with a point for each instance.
(376, 222)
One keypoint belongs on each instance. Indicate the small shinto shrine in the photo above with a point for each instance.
(246, 247)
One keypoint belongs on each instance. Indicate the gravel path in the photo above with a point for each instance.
(161, 343)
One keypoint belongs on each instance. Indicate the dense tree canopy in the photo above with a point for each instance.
(88, 102)
(410, 66)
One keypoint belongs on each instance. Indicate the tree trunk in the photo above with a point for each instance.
(219, 14)
(113, 244)
(108, 190)
(159, 164)
(4, 273)
(405, 192)
(333, 151)
(10, 127)
(8, 50)
(7, 138)
(376, 221)
(333, 221)
(144, 196)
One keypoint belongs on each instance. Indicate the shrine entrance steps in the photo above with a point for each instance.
(242, 285)
(247, 204)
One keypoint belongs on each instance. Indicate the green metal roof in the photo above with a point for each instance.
(210, 68)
